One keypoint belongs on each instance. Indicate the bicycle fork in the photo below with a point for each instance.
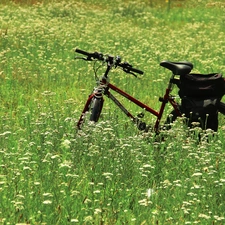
(86, 108)
(96, 94)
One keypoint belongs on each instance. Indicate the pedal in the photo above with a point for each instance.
(141, 125)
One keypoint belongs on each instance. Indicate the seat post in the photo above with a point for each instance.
(170, 83)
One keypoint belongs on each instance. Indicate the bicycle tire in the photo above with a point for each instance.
(96, 109)
(222, 108)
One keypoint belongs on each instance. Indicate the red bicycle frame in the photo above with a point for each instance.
(107, 86)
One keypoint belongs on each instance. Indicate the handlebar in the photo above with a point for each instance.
(116, 61)
(82, 52)
(94, 55)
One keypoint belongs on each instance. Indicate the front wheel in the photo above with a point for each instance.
(93, 106)
(96, 109)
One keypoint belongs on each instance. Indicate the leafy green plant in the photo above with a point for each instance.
(108, 173)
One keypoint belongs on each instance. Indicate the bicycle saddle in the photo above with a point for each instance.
(178, 68)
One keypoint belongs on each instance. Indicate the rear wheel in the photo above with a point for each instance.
(222, 108)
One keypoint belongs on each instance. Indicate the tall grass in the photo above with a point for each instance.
(108, 173)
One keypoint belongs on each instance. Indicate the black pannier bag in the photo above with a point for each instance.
(200, 98)
(202, 85)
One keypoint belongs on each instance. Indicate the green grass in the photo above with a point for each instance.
(109, 173)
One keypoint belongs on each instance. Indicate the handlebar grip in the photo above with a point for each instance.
(128, 68)
(136, 70)
(95, 55)
(82, 52)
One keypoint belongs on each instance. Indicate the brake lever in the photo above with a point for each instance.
(126, 70)
(85, 59)
(133, 74)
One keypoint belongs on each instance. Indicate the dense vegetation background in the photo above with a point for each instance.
(110, 173)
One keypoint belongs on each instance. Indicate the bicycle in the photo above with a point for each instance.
(95, 101)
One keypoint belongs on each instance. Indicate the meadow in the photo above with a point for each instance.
(108, 173)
